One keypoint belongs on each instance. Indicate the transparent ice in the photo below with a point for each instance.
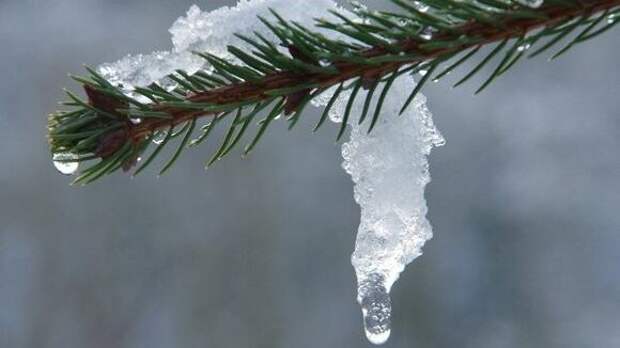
(390, 170)
(388, 166)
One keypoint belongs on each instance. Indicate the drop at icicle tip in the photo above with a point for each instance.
(374, 299)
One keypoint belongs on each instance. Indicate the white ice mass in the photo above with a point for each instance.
(388, 166)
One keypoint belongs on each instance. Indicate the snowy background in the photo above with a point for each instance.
(255, 253)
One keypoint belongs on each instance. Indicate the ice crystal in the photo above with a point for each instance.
(390, 170)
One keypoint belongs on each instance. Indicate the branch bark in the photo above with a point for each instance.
(255, 90)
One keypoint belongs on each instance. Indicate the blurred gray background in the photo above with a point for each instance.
(255, 253)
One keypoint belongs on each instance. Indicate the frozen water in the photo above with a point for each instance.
(390, 170)
(376, 305)
(211, 32)
(388, 166)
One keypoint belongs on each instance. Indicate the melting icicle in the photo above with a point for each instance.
(531, 3)
(66, 163)
(390, 171)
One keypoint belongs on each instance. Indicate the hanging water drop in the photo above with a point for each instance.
(376, 305)
(159, 136)
(531, 3)
(611, 19)
(423, 72)
(135, 120)
(168, 84)
(66, 163)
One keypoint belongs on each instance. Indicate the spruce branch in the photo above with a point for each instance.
(113, 130)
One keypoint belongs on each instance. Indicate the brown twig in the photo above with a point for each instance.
(255, 90)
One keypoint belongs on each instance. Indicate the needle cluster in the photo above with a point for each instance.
(111, 130)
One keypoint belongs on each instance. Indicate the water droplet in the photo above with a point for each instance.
(423, 72)
(531, 3)
(376, 309)
(524, 47)
(611, 19)
(422, 7)
(427, 33)
(66, 163)
(168, 84)
(159, 136)
(135, 120)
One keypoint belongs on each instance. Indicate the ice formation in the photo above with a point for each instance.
(208, 31)
(388, 166)
(390, 170)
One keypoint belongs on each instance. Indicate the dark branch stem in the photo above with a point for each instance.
(255, 90)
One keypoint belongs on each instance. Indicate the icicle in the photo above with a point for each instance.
(376, 305)
(390, 170)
